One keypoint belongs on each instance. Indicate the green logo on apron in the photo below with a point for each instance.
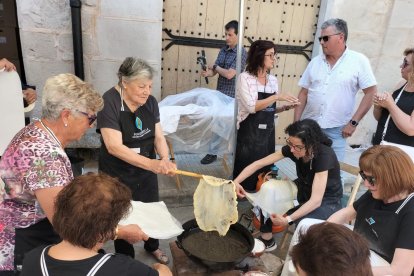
(138, 123)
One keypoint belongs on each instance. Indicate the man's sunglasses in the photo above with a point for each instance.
(325, 38)
(91, 118)
(371, 180)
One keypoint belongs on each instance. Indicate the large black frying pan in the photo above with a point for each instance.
(217, 253)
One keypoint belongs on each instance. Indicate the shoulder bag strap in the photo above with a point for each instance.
(410, 196)
(98, 265)
(389, 116)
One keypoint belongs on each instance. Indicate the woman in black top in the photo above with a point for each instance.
(319, 182)
(131, 135)
(400, 105)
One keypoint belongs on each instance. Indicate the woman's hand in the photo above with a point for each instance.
(287, 98)
(384, 100)
(241, 193)
(279, 220)
(7, 65)
(132, 233)
(163, 166)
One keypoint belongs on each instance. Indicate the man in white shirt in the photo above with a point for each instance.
(330, 83)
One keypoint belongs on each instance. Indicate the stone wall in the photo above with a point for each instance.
(111, 31)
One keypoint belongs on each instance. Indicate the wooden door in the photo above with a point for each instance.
(194, 25)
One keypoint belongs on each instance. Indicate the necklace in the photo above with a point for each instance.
(48, 130)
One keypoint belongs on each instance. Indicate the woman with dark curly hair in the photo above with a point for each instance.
(87, 212)
(319, 182)
(256, 95)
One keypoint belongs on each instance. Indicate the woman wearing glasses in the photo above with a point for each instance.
(319, 183)
(394, 113)
(256, 96)
(35, 167)
(384, 215)
(131, 133)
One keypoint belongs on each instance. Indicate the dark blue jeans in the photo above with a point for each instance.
(327, 208)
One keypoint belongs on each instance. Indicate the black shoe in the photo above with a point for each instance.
(208, 159)
(270, 245)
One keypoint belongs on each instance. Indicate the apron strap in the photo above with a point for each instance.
(98, 265)
(91, 272)
(389, 116)
(405, 202)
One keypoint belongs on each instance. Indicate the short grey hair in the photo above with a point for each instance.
(66, 91)
(134, 68)
(339, 24)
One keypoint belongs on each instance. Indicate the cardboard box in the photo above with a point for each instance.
(8, 43)
(8, 16)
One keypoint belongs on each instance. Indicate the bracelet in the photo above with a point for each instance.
(116, 233)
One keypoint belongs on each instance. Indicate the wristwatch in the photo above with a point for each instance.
(353, 123)
(289, 219)
(214, 67)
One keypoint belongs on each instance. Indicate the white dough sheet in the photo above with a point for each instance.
(274, 197)
(198, 121)
(154, 219)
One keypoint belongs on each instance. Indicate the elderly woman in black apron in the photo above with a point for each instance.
(256, 95)
(384, 215)
(131, 133)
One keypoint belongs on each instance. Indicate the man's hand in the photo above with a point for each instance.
(132, 233)
(208, 73)
(29, 95)
(279, 220)
(348, 130)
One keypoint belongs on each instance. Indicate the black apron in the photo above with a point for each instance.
(379, 228)
(138, 133)
(255, 140)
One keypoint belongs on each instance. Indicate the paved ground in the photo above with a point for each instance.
(179, 201)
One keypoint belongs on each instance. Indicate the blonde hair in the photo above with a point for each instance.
(66, 91)
(392, 168)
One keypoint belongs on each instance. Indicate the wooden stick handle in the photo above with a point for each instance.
(188, 173)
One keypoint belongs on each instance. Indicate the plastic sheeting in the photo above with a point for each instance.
(199, 121)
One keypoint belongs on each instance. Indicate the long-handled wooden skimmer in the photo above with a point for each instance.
(188, 173)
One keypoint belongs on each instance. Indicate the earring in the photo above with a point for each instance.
(66, 125)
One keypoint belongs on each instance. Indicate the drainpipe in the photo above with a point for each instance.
(75, 7)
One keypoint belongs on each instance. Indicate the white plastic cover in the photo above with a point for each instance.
(154, 219)
(198, 121)
(274, 197)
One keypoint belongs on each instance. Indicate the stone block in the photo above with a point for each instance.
(51, 15)
(65, 46)
(38, 45)
(133, 9)
(401, 17)
(118, 39)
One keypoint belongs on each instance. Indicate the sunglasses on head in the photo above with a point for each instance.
(325, 38)
(91, 118)
(370, 179)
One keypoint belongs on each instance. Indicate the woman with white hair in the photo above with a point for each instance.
(131, 136)
(35, 168)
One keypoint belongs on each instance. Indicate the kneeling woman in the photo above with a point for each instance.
(319, 183)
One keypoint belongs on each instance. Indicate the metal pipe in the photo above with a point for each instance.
(75, 8)
(238, 70)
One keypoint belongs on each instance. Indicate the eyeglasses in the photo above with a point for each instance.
(371, 180)
(295, 147)
(272, 56)
(405, 63)
(325, 38)
(91, 118)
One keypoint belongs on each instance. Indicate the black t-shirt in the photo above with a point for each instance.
(394, 135)
(109, 116)
(324, 160)
(118, 264)
(368, 207)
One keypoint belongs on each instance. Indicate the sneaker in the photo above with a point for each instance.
(270, 245)
(208, 159)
